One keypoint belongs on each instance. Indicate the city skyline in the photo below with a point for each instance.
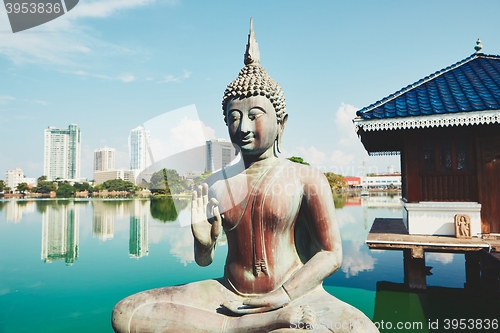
(94, 68)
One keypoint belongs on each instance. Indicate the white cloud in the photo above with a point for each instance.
(85, 74)
(5, 99)
(171, 78)
(127, 78)
(312, 156)
(41, 102)
(104, 8)
(341, 158)
(62, 41)
(177, 131)
(344, 125)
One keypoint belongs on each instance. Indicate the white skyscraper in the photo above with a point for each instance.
(104, 159)
(220, 153)
(62, 151)
(138, 143)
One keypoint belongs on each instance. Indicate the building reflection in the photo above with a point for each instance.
(14, 210)
(139, 224)
(103, 222)
(60, 233)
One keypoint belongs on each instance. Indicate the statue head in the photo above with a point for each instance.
(253, 80)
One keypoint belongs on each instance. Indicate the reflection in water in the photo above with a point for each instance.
(355, 260)
(14, 209)
(139, 224)
(437, 310)
(443, 258)
(360, 271)
(357, 257)
(103, 222)
(60, 226)
(164, 209)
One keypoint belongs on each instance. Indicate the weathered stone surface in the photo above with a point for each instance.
(282, 235)
(462, 226)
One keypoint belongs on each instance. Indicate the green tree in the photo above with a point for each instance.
(165, 181)
(337, 183)
(65, 191)
(117, 185)
(82, 187)
(44, 186)
(22, 188)
(297, 159)
(41, 179)
(2, 185)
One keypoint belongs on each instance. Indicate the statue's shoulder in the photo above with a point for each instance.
(305, 173)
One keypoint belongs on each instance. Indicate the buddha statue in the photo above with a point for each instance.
(282, 234)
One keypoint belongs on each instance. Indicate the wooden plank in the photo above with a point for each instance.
(391, 234)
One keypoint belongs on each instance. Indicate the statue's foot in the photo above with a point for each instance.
(302, 317)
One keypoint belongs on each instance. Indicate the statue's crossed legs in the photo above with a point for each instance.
(196, 307)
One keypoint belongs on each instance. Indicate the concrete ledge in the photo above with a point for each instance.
(437, 218)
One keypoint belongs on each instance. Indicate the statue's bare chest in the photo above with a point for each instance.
(272, 198)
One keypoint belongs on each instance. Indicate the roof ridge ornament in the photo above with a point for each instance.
(478, 46)
(252, 54)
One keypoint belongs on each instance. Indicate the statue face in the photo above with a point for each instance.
(252, 124)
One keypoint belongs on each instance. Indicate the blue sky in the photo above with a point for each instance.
(111, 65)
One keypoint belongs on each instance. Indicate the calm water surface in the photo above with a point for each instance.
(64, 264)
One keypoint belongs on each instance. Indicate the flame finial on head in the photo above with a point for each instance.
(252, 54)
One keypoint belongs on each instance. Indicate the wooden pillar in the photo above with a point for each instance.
(414, 268)
(472, 271)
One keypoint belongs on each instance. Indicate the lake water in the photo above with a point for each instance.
(64, 264)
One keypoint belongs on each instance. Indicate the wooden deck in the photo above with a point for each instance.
(482, 255)
(391, 234)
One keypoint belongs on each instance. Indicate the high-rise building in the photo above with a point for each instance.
(104, 159)
(139, 149)
(220, 153)
(62, 151)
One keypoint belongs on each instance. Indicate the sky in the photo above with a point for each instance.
(112, 65)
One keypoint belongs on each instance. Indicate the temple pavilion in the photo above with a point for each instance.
(446, 128)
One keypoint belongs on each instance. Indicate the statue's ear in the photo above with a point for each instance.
(281, 129)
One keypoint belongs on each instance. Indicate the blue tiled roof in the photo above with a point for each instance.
(472, 84)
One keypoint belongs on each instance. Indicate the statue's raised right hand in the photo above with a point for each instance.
(206, 221)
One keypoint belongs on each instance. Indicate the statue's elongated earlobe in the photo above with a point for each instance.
(281, 129)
